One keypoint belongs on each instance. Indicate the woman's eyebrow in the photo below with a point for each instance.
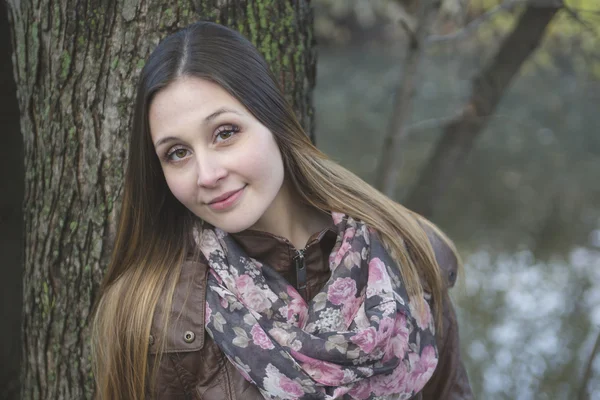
(220, 111)
(164, 140)
(210, 117)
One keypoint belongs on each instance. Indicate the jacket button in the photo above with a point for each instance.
(189, 336)
(452, 277)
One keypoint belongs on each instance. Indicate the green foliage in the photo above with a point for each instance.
(573, 35)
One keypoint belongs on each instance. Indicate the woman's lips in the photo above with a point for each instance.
(228, 201)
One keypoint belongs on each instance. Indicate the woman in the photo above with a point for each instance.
(249, 265)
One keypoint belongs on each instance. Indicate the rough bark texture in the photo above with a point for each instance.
(488, 88)
(75, 64)
(11, 217)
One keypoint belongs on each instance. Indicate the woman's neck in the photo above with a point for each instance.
(288, 218)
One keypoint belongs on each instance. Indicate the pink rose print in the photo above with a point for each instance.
(386, 329)
(422, 368)
(216, 276)
(209, 242)
(224, 302)
(365, 339)
(251, 295)
(340, 391)
(376, 270)
(394, 383)
(337, 217)
(255, 299)
(379, 280)
(398, 343)
(281, 336)
(343, 289)
(207, 314)
(350, 309)
(243, 281)
(349, 234)
(336, 258)
(361, 390)
(297, 308)
(290, 386)
(422, 314)
(260, 338)
(280, 386)
(321, 371)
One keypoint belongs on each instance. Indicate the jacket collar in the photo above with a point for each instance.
(278, 252)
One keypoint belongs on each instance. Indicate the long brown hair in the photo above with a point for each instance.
(151, 240)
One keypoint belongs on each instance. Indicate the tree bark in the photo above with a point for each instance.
(488, 88)
(75, 65)
(11, 221)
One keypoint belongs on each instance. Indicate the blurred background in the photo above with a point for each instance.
(524, 209)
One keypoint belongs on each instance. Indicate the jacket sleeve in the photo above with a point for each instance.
(184, 358)
(450, 380)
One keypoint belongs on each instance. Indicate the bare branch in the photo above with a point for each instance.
(587, 374)
(573, 13)
(408, 29)
(583, 10)
(387, 171)
(472, 26)
(436, 123)
(430, 123)
(487, 90)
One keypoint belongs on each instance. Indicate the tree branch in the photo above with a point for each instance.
(583, 10)
(430, 123)
(574, 14)
(472, 26)
(487, 90)
(387, 171)
(587, 374)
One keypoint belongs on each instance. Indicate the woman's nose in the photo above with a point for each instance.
(210, 171)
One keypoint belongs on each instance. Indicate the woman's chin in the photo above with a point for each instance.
(232, 223)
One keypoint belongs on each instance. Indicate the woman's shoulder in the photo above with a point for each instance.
(444, 254)
(185, 330)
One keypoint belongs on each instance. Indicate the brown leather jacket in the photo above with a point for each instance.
(193, 366)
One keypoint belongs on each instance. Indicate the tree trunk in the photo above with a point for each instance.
(75, 65)
(489, 86)
(11, 221)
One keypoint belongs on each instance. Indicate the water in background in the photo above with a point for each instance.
(524, 212)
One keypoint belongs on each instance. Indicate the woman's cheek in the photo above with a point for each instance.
(181, 189)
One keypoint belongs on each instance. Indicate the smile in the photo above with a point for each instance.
(226, 200)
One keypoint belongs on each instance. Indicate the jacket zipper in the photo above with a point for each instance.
(300, 263)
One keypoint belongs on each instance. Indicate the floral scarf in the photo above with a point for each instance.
(358, 338)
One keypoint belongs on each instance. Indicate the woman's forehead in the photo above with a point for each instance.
(189, 101)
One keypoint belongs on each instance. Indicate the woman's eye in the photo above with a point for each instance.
(177, 154)
(226, 132)
(224, 135)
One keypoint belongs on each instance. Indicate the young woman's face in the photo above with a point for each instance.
(218, 160)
